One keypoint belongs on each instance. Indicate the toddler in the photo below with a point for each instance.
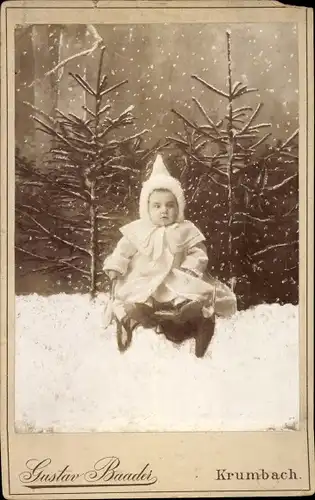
(159, 267)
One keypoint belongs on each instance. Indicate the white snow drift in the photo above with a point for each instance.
(71, 377)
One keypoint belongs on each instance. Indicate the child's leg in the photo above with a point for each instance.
(141, 313)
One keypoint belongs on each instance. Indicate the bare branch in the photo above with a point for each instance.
(272, 247)
(86, 52)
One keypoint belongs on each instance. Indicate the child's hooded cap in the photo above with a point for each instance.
(160, 178)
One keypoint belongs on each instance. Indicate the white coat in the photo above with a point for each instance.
(153, 263)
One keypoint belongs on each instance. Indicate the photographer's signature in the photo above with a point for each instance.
(106, 471)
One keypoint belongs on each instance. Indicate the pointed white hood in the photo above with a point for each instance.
(160, 178)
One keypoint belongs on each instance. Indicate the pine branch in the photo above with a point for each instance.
(284, 145)
(27, 207)
(105, 108)
(201, 145)
(272, 247)
(281, 184)
(260, 125)
(199, 160)
(250, 121)
(220, 140)
(209, 86)
(235, 87)
(40, 257)
(50, 131)
(243, 91)
(54, 262)
(256, 219)
(203, 111)
(103, 82)
(154, 150)
(290, 139)
(46, 179)
(80, 121)
(89, 111)
(291, 268)
(290, 155)
(246, 135)
(242, 109)
(54, 236)
(41, 112)
(215, 181)
(127, 139)
(253, 146)
(83, 83)
(296, 206)
(69, 219)
(113, 87)
(178, 141)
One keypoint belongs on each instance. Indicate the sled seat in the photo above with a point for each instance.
(177, 324)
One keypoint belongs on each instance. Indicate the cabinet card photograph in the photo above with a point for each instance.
(156, 234)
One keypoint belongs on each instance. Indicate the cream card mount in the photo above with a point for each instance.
(92, 93)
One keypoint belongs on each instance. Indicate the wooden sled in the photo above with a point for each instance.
(176, 323)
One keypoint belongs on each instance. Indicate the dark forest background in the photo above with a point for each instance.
(94, 104)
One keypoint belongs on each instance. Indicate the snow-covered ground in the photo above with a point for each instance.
(71, 377)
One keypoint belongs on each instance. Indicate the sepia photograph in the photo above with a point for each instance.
(156, 249)
(156, 227)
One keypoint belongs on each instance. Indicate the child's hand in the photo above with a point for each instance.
(113, 275)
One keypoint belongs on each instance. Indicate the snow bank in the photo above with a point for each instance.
(71, 377)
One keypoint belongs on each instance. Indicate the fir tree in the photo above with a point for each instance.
(84, 189)
(230, 171)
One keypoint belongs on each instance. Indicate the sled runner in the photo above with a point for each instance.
(177, 323)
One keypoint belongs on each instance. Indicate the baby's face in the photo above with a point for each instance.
(163, 209)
